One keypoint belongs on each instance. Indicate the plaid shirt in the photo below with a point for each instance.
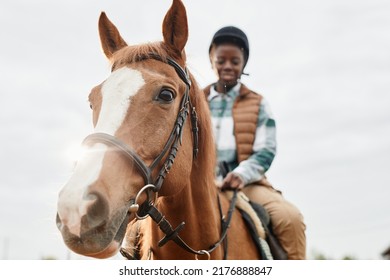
(264, 147)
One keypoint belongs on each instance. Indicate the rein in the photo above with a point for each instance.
(173, 234)
(153, 185)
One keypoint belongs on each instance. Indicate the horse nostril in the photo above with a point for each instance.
(58, 221)
(98, 211)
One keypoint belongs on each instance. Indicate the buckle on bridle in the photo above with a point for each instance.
(141, 211)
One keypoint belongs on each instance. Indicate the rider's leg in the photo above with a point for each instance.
(287, 221)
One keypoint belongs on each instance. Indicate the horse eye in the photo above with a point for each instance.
(165, 95)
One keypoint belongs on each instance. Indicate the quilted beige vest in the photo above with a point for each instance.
(245, 113)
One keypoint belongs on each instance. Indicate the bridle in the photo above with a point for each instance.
(172, 143)
(153, 185)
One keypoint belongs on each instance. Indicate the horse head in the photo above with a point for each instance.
(140, 122)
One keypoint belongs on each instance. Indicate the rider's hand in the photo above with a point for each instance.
(232, 181)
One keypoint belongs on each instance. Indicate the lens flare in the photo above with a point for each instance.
(75, 152)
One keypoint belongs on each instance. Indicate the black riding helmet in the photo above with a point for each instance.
(234, 35)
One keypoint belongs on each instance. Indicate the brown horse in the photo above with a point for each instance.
(142, 133)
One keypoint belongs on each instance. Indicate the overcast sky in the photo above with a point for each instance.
(324, 66)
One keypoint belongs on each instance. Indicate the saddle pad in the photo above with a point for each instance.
(244, 205)
(253, 222)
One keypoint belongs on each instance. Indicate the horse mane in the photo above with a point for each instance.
(205, 161)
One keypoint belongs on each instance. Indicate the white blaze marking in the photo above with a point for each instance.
(116, 92)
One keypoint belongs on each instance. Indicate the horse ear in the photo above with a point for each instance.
(175, 27)
(110, 38)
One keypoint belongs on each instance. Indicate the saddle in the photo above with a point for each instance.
(260, 227)
(258, 222)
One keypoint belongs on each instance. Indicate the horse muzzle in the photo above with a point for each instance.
(91, 231)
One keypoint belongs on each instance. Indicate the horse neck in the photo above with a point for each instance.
(197, 206)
